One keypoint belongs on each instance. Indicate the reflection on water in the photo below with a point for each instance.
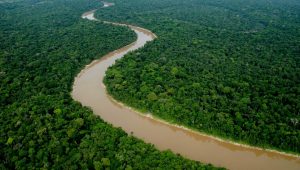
(89, 90)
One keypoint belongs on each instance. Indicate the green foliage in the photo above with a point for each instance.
(97, 165)
(152, 96)
(44, 45)
(10, 141)
(105, 162)
(229, 68)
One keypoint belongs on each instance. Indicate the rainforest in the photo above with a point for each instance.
(227, 68)
(44, 44)
(216, 85)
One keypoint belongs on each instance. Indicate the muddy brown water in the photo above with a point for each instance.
(90, 91)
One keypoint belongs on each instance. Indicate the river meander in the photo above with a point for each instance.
(90, 91)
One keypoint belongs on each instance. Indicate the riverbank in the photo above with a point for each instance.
(237, 143)
(89, 90)
(221, 139)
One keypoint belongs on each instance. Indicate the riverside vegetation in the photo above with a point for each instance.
(44, 45)
(226, 68)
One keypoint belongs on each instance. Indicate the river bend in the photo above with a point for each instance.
(90, 91)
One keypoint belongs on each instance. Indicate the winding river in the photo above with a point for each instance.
(90, 91)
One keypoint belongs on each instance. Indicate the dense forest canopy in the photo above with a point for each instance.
(44, 45)
(228, 68)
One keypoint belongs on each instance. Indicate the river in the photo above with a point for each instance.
(90, 91)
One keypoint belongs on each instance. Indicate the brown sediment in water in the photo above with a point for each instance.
(89, 90)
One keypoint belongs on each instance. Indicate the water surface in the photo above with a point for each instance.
(89, 90)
